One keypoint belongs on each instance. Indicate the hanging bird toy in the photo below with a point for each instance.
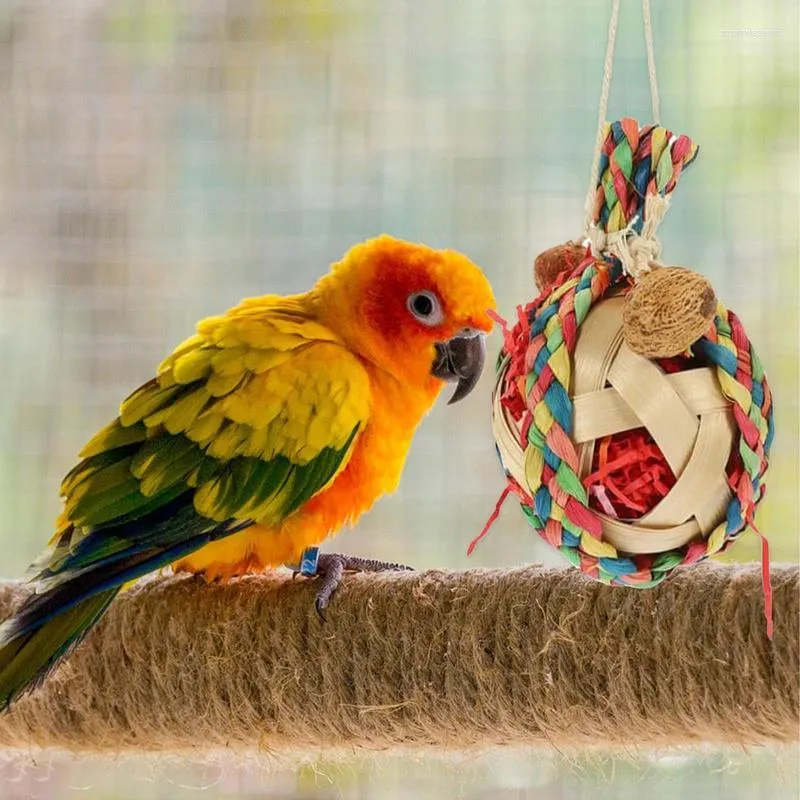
(631, 413)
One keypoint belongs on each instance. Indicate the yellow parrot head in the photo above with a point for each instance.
(418, 313)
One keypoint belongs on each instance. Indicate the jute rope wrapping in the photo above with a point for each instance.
(529, 656)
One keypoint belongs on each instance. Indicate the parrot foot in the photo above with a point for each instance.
(331, 567)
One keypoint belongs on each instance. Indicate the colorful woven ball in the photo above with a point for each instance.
(632, 464)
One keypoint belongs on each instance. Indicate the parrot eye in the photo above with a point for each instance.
(425, 306)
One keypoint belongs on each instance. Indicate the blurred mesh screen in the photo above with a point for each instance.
(160, 160)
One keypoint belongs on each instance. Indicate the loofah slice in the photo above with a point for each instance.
(667, 310)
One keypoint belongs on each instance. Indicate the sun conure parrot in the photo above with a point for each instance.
(272, 427)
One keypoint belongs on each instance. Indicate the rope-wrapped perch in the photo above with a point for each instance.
(451, 660)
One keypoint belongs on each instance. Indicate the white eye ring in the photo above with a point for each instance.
(426, 308)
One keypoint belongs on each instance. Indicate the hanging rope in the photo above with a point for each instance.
(651, 61)
(605, 89)
(635, 248)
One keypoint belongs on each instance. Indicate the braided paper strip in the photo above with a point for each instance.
(636, 163)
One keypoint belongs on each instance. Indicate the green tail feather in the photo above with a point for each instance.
(27, 659)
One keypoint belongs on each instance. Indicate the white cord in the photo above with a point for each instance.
(636, 254)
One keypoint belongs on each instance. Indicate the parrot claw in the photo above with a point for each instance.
(331, 567)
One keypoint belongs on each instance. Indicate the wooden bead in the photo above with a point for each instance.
(551, 263)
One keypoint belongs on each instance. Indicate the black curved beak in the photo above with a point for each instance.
(460, 359)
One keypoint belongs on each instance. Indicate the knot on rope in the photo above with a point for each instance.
(637, 253)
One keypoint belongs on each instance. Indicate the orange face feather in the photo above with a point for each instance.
(365, 300)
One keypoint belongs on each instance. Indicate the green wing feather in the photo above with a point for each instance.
(245, 422)
(249, 419)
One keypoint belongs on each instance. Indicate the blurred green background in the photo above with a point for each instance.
(161, 159)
